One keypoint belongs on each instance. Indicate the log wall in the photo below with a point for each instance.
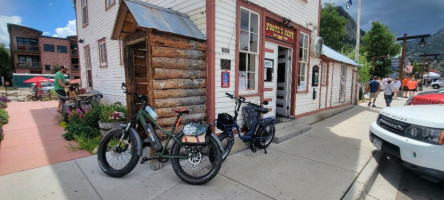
(178, 73)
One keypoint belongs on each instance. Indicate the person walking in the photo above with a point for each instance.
(59, 86)
(412, 85)
(397, 85)
(374, 90)
(405, 86)
(389, 89)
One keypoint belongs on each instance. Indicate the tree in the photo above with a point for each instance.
(379, 46)
(333, 27)
(5, 62)
(364, 69)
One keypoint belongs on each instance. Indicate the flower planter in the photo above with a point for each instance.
(105, 127)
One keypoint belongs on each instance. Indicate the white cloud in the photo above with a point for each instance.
(46, 33)
(69, 29)
(4, 35)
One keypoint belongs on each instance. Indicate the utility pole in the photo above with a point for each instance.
(404, 46)
(358, 32)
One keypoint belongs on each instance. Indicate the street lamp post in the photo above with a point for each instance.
(404, 46)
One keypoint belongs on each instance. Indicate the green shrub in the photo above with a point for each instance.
(53, 93)
(88, 144)
(3, 117)
(79, 129)
(92, 116)
(2, 136)
(3, 104)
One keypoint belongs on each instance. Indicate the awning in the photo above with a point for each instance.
(148, 16)
(330, 53)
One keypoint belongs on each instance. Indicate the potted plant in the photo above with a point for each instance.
(111, 116)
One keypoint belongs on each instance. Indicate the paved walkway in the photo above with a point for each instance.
(33, 138)
(319, 164)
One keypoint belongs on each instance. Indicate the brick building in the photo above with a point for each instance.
(31, 52)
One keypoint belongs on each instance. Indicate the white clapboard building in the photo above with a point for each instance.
(259, 49)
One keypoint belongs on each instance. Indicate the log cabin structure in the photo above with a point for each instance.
(165, 59)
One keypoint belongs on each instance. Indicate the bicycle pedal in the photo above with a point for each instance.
(253, 149)
(144, 159)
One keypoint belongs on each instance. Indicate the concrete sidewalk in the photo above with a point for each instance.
(320, 164)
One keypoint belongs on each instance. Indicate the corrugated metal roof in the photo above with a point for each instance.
(162, 19)
(329, 52)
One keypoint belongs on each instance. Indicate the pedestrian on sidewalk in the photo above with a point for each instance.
(59, 86)
(405, 86)
(412, 85)
(389, 89)
(374, 90)
(397, 85)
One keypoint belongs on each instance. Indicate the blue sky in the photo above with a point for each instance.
(413, 17)
(53, 17)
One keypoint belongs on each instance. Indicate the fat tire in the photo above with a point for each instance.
(101, 154)
(435, 86)
(217, 163)
(227, 147)
(261, 131)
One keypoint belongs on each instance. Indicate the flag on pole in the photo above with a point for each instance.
(348, 3)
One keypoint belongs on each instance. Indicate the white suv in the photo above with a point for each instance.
(415, 135)
(437, 84)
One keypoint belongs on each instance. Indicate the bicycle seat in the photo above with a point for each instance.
(261, 110)
(180, 110)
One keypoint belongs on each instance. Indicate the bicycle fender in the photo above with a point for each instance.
(138, 140)
(178, 135)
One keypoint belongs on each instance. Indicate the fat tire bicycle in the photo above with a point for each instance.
(260, 132)
(195, 163)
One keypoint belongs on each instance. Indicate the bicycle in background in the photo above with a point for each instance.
(260, 132)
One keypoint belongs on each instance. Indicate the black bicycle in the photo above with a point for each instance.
(260, 132)
(196, 154)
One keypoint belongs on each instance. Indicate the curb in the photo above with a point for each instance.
(362, 184)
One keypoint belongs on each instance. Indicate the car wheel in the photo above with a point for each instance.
(435, 86)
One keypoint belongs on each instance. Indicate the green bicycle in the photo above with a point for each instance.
(196, 158)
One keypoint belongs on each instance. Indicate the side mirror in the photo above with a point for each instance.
(265, 103)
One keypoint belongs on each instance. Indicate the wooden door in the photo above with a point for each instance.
(283, 91)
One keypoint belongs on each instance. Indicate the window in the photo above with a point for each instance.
(48, 47)
(84, 5)
(109, 3)
(47, 67)
(102, 53)
(88, 66)
(248, 51)
(343, 83)
(303, 61)
(26, 41)
(324, 74)
(62, 49)
(29, 61)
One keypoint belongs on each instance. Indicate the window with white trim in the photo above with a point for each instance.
(109, 3)
(102, 53)
(88, 66)
(84, 5)
(248, 51)
(324, 73)
(303, 61)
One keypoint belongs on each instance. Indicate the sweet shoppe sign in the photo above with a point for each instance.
(278, 32)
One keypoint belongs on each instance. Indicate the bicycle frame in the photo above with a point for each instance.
(141, 117)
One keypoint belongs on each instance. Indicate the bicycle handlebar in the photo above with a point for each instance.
(139, 96)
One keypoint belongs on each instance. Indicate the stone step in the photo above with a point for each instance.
(286, 124)
(290, 132)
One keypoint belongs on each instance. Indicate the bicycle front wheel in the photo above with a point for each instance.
(203, 162)
(117, 158)
(227, 142)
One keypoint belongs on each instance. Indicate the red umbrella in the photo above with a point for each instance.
(37, 80)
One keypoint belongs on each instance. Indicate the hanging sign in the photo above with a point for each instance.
(279, 32)
(225, 79)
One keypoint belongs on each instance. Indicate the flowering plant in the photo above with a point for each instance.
(113, 113)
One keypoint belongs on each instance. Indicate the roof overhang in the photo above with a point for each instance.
(135, 15)
(332, 55)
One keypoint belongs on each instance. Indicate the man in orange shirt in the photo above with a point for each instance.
(405, 86)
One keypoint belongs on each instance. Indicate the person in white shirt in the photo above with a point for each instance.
(397, 85)
(389, 90)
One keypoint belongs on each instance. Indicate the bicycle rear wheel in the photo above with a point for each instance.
(203, 164)
(117, 158)
(227, 142)
(267, 134)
